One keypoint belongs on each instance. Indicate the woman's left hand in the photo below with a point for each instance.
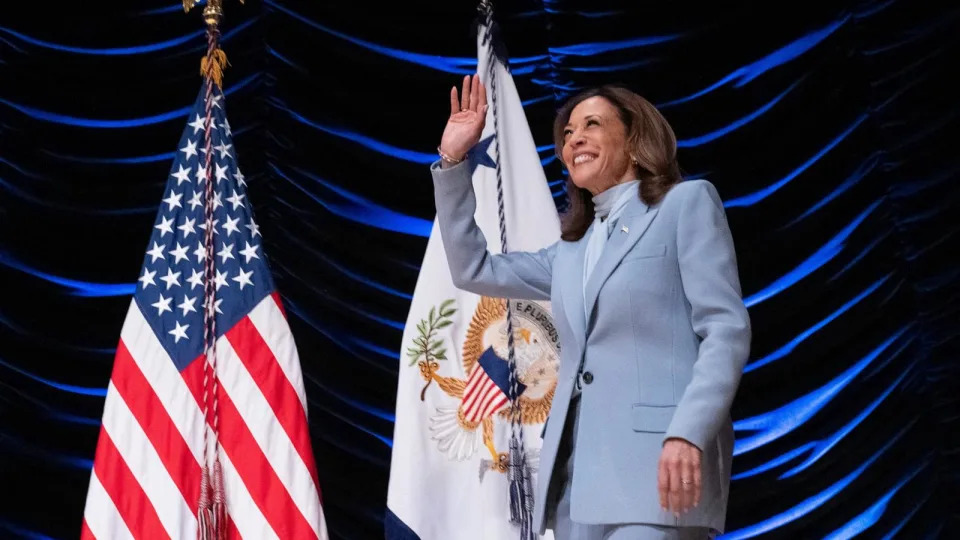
(678, 476)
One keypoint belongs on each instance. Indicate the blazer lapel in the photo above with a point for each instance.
(573, 291)
(631, 226)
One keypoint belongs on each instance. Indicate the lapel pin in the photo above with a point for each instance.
(625, 229)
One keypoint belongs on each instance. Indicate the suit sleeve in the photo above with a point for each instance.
(708, 270)
(524, 275)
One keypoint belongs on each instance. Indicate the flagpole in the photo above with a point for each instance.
(211, 507)
(518, 472)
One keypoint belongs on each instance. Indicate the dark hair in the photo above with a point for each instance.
(652, 144)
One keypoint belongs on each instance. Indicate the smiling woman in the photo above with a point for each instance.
(653, 330)
(610, 134)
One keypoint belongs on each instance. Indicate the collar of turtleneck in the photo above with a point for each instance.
(613, 199)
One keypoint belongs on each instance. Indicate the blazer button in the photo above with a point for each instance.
(587, 377)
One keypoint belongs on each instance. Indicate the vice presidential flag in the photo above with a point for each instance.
(146, 476)
(451, 439)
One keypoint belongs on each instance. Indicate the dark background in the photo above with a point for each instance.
(829, 129)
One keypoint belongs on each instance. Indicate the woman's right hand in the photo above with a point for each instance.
(468, 113)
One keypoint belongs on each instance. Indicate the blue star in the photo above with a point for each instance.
(480, 155)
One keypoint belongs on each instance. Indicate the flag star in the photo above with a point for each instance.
(231, 225)
(195, 280)
(189, 149)
(217, 203)
(243, 278)
(198, 123)
(254, 229)
(221, 280)
(226, 252)
(227, 126)
(200, 252)
(204, 226)
(179, 253)
(195, 201)
(201, 174)
(238, 176)
(216, 101)
(172, 278)
(187, 226)
(174, 200)
(156, 252)
(164, 226)
(187, 305)
(183, 175)
(216, 305)
(224, 150)
(163, 304)
(179, 332)
(147, 277)
(236, 200)
(250, 252)
(220, 173)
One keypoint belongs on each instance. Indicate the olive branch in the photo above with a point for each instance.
(427, 345)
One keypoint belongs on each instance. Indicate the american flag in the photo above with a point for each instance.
(145, 481)
(487, 388)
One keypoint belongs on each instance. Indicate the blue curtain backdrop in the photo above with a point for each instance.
(830, 130)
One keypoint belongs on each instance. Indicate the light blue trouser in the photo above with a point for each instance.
(559, 498)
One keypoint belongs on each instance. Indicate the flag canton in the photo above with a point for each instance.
(170, 287)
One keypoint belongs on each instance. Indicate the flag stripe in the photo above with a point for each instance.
(247, 519)
(262, 366)
(132, 503)
(271, 324)
(85, 533)
(471, 398)
(172, 450)
(491, 392)
(100, 516)
(258, 475)
(277, 448)
(146, 467)
(163, 377)
(483, 393)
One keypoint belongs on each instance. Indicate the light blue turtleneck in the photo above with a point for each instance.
(608, 206)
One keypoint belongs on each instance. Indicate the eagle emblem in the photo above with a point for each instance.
(482, 398)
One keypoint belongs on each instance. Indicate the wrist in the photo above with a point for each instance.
(448, 159)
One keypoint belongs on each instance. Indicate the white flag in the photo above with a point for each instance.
(446, 477)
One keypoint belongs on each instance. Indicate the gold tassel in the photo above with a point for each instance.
(215, 71)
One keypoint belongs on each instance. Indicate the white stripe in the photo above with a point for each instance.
(164, 378)
(273, 328)
(243, 511)
(267, 431)
(144, 463)
(102, 517)
(491, 397)
(480, 402)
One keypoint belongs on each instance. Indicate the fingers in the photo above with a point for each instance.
(675, 497)
(688, 484)
(696, 479)
(475, 93)
(483, 99)
(465, 94)
(454, 101)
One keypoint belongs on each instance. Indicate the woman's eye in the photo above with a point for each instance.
(593, 122)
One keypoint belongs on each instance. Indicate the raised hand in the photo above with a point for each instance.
(468, 113)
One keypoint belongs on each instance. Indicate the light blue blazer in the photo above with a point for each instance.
(665, 344)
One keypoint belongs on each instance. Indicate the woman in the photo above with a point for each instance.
(645, 295)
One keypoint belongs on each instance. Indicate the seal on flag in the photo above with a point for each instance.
(484, 394)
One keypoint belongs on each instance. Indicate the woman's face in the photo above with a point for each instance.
(595, 146)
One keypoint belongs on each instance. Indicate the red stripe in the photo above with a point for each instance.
(85, 533)
(276, 299)
(156, 423)
(232, 531)
(483, 396)
(273, 383)
(258, 476)
(126, 493)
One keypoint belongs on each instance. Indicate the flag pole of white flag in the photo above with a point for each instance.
(448, 476)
